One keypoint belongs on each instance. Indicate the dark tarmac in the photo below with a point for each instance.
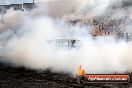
(11, 77)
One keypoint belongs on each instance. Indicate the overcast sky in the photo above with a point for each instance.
(15, 1)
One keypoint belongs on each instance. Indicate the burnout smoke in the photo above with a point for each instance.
(25, 36)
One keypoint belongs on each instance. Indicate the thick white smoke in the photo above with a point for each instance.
(24, 39)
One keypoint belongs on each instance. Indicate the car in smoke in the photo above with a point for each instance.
(65, 43)
(83, 78)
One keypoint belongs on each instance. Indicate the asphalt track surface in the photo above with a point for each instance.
(12, 77)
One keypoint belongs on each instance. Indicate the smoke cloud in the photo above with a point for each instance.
(25, 37)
